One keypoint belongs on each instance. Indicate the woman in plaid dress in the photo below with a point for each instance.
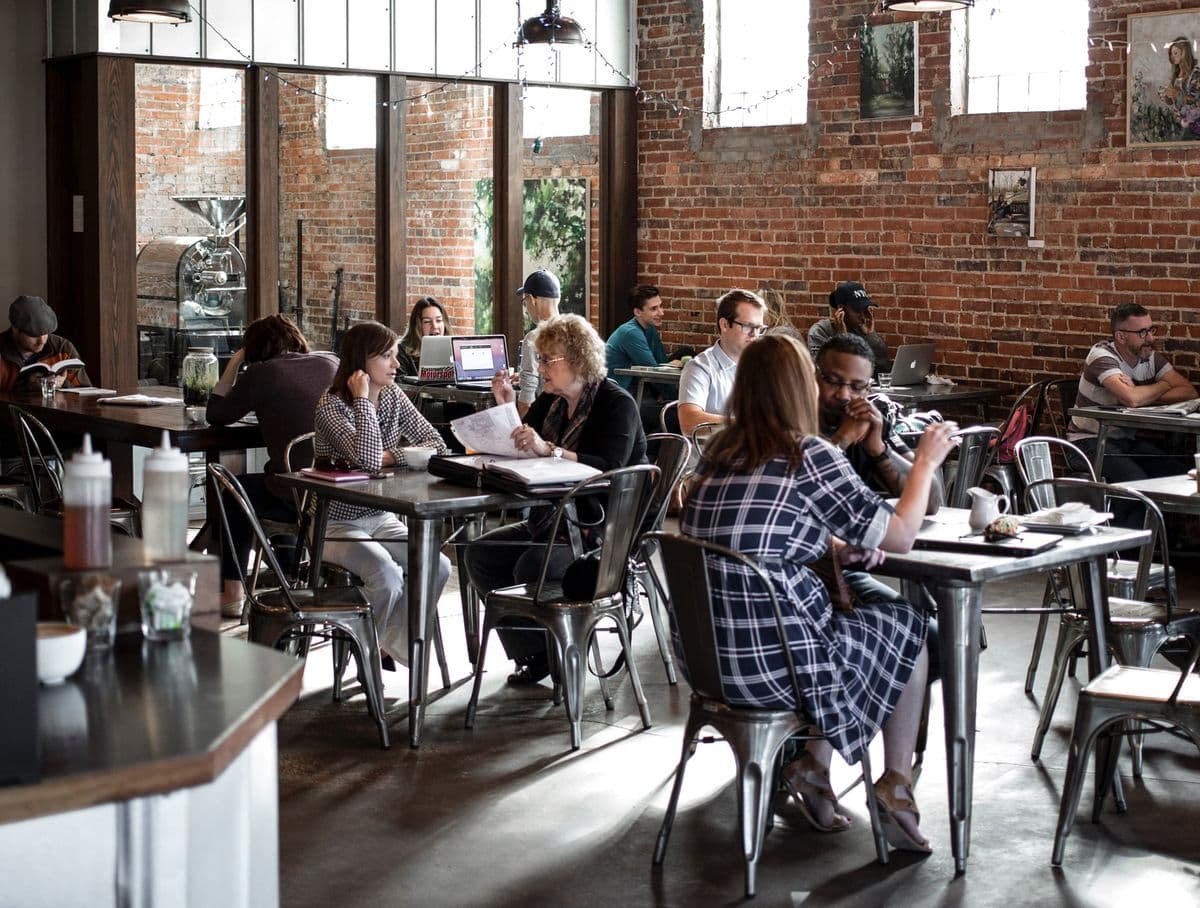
(773, 489)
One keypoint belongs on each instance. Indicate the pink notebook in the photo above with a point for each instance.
(336, 475)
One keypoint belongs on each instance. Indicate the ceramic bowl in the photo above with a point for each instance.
(417, 458)
(60, 648)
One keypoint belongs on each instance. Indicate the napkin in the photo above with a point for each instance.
(938, 380)
(1071, 514)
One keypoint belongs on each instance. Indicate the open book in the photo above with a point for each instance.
(1180, 408)
(63, 365)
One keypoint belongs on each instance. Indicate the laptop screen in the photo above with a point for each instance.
(435, 352)
(478, 358)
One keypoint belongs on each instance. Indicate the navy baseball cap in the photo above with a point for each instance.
(851, 295)
(541, 283)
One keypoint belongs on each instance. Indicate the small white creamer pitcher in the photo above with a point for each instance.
(985, 507)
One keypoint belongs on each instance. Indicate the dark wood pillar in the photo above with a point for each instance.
(508, 234)
(618, 205)
(262, 192)
(91, 211)
(391, 206)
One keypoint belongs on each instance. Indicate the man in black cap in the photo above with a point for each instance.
(850, 313)
(540, 295)
(29, 339)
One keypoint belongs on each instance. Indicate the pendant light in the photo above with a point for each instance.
(551, 27)
(158, 12)
(925, 6)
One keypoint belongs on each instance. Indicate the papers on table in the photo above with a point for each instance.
(140, 400)
(1181, 408)
(542, 471)
(87, 392)
(1071, 517)
(490, 431)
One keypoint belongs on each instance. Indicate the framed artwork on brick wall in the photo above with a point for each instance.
(1011, 197)
(888, 77)
(1162, 78)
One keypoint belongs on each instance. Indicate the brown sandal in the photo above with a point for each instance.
(812, 781)
(890, 804)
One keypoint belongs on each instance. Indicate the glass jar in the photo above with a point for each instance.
(197, 375)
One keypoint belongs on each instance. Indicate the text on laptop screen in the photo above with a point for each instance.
(478, 357)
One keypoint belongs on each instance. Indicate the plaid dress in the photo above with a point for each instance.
(852, 666)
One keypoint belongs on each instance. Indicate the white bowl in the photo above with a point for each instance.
(60, 649)
(417, 458)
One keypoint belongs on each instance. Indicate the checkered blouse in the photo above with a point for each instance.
(852, 666)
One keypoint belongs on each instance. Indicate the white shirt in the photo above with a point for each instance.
(707, 380)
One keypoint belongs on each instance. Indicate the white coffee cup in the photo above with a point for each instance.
(417, 458)
(60, 648)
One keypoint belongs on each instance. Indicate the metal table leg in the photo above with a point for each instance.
(424, 544)
(470, 599)
(1098, 460)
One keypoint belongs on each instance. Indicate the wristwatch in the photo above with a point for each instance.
(557, 452)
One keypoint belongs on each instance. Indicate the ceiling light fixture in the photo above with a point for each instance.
(925, 6)
(551, 27)
(157, 12)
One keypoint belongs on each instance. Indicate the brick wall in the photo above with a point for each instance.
(793, 210)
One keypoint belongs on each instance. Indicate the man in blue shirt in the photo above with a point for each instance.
(637, 343)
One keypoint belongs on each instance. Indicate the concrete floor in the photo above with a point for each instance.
(506, 814)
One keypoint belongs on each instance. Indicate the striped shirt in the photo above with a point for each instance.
(361, 432)
(1103, 361)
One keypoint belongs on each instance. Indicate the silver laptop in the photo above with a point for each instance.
(435, 363)
(911, 365)
(476, 359)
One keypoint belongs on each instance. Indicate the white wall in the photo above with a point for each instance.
(22, 151)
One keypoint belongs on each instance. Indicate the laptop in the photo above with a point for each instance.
(435, 367)
(911, 365)
(477, 358)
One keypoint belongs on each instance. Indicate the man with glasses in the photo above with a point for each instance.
(850, 310)
(1127, 371)
(707, 379)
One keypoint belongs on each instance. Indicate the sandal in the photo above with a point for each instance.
(890, 804)
(808, 779)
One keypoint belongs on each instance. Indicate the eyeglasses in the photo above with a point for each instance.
(544, 360)
(836, 382)
(1142, 333)
(751, 330)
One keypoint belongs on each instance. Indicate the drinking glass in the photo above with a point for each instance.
(884, 379)
(90, 601)
(49, 386)
(166, 601)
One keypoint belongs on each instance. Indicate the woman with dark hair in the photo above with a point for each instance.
(281, 383)
(771, 487)
(365, 420)
(427, 319)
(580, 415)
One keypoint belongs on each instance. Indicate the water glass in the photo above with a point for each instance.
(884, 380)
(49, 386)
(166, 601)
(90, 601)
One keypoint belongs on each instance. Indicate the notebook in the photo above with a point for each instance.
(435, 360)
(476, 359)
(911, 364)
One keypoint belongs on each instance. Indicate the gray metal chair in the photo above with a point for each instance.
(974, 454)
(570, 622)
(756, 736)
(1059, 397)
(280, 615)
(1137, 629)
(664, 425)
(1118, 702)
(1022, 420)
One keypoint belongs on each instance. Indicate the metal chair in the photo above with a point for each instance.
(1118, 702)
(1022, 421)
(277, 616)
(756, 736)
(1058, 397)
(671, 406)
(570, 622)
(44, 465)
(1137, 628)
(974, 453)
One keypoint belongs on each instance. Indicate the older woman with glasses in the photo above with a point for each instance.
(580, 415)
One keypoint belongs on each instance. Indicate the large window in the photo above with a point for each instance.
(1020, 55)
(755, 62)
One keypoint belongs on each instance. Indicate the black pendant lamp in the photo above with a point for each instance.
(551, 27)
(158, 12)
(925, 6)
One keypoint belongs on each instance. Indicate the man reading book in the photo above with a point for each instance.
(30, 338)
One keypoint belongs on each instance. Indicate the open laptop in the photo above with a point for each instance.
(477, 358)
(435, 366)
(911, 365)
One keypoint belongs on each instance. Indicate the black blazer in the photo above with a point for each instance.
(612, 436)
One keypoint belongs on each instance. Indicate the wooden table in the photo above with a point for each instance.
(655, 375)
(424, 501)
(919, 397)
(1146, 420)
(956, 580)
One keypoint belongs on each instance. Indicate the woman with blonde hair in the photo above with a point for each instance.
(772, 488)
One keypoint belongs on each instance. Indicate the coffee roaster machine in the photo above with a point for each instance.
(195, 286)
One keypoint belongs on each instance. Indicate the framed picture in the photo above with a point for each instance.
(1162, 78)
(1011, 197)
(888, 81)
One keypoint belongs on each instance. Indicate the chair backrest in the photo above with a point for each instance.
(42, 458)
(703, 434)
(1154, 550)
(974, 454)
(1035, 460)
(223, 481)
(1058, 398)
(674, 451)
(1021, 422)
(297, 454)
(668, 417)
(689, 596)
(629, 491)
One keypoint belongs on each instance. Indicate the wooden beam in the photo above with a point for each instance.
(508, 234)
(262, 192)
(618, 205)
(391, 206)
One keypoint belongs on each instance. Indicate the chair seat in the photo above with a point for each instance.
(1138, 612)
(1150, 685)
(326, 600)
(553, 596)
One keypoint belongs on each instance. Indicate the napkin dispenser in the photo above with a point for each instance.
(19, 753)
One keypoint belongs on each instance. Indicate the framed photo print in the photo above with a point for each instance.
(888, 82)
(1011, 198)
(1162, 78)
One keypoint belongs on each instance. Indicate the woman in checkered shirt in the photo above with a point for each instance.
(772, 488)
(364, 420)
